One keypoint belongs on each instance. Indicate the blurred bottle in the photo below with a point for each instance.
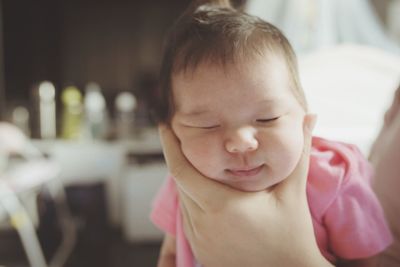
(20, 118)
(71, 123)
(125, 104)
(47, 110)
(96, 115)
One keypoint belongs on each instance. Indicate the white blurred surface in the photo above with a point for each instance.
(139, 186)
(315, 24)
(350, 87)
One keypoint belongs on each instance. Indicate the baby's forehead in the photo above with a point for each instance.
(264, 69)
(239, 61)
(210, 84)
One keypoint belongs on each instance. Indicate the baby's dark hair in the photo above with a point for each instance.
(215, 32)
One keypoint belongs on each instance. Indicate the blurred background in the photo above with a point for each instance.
(80, 158)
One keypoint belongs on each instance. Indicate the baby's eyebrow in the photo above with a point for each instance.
(196, 112)
(267, 101)
(203, 111)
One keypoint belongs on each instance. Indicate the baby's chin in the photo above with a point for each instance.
(247, 186)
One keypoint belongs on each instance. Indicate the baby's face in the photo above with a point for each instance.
(240, 126)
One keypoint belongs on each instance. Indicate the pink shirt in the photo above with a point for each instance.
(347, 217)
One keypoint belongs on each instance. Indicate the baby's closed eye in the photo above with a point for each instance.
(266, 120)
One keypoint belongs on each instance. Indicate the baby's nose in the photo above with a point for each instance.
(241, 140)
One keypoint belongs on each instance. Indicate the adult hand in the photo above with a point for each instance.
(228, 227)
(385, 157)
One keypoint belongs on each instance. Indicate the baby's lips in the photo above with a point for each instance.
(251, 171)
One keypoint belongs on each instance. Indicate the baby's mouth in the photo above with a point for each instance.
(246, 172)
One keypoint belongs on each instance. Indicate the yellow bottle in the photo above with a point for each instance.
(71, 98)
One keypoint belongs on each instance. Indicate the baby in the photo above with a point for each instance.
(230, 90)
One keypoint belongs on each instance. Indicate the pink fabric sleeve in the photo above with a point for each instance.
(355, 220)
(165, 207)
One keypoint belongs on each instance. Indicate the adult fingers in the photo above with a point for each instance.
(198, 188)
(296, 182)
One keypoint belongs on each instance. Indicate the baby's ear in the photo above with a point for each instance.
(309, 121)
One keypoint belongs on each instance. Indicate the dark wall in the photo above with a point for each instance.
(110, 42)
(31, 35)
(2, 89)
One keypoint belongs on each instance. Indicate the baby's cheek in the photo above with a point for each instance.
(195, 151)
(203, 156)
(294, 148)
(289, 146)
